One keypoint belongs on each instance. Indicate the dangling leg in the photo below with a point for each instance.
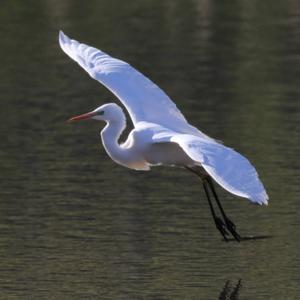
(219, 223)
(229, 224)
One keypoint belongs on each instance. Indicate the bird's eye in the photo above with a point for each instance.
(101, 112)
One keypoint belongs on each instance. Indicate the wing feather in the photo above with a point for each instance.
(143, 99)
(228, 168)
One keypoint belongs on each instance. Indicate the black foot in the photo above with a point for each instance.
(221, 227)
(231, 228)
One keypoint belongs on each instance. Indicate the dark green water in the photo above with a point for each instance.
(74, 225)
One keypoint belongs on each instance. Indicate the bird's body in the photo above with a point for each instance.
(161, 135)
(140, 151)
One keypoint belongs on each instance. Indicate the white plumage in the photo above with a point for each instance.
(161, 134)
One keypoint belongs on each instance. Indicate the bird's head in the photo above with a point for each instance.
(107, 112)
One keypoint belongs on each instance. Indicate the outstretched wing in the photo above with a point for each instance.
(144, 100)
(227, 167)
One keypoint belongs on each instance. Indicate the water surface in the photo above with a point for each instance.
(74, 225)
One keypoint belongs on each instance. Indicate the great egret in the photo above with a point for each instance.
(161, 135)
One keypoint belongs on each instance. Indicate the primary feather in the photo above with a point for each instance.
(143, 99)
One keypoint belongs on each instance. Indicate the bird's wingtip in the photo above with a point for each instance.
(262, 199)
(266, 199)
(264, 202)
(63, 39)
(61, 35)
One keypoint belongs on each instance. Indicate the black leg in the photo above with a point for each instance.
(229, 224)
(218, 221)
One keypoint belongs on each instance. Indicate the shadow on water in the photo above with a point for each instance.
(251, 238)
(230, 292)
(258, 237)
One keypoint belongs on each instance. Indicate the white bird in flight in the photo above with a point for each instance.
(161, 134)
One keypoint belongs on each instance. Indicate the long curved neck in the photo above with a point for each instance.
(110, 136)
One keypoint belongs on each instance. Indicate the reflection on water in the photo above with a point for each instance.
(231, 292)
(76, 226)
